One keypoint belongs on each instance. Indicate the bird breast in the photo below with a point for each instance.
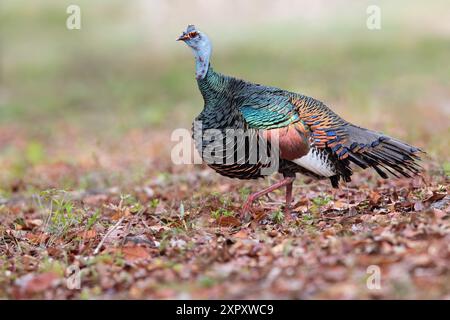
(292, 140)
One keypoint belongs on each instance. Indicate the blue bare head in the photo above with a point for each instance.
(201, 46)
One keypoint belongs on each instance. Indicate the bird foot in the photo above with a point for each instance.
(287, 210)
(287, 213)
(247, 209)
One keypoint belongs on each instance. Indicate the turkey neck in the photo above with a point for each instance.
(212, 85)
(219, 111)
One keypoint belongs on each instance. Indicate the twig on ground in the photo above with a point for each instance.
(97, 249)
(127, 228)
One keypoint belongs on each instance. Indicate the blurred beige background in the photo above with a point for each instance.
(124, 72)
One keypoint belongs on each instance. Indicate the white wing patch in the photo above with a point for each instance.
(316, 162)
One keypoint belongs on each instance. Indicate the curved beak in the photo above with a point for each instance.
(183, 37)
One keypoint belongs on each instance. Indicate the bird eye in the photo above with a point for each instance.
(193, 34)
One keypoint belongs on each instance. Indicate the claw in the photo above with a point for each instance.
(287, 181)
(247, 208)
(287, 210)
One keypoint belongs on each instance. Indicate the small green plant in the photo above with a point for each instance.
(319, 202)
(277, 216)
(420, 194)
(92, 220)
(154, 203)
(446, 167)
(63, 217)
(183, 217)
(119, 260)
(307, 219)
(62, 211)
(163, 177)
(221, 212)
(225, 201)
(131, 202)
(207, 282)
(49, 265)
(244, 192)
(215, 193)
(181, 210)
(364, 204)
(106, 258)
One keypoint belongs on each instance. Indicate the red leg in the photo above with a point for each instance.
(287, 181)
(287, 207)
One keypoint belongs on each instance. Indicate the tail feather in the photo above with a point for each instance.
(352, 144)
(367, 148)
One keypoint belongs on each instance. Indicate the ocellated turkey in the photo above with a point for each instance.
(313, 140)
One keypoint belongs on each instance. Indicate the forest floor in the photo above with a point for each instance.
(124, 222)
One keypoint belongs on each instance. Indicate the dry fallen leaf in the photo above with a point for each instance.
(134, 253)
(228, 222)
(121, 213)
(374, 198)
(34, 223)
(95, 199)
(32, 283)
(436, 196)
(301, 202)
(241, 234)
(87, 234)
(339, 205)
(37, 238)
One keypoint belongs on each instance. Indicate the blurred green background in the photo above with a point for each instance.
(124, 71)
